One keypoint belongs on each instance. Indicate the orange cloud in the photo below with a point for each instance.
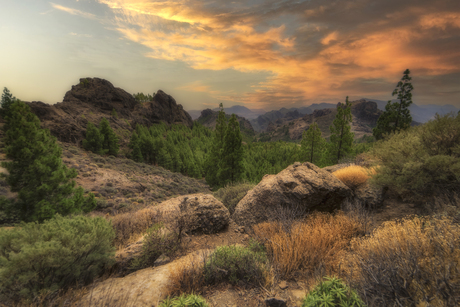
(72, 11)
(301, 69)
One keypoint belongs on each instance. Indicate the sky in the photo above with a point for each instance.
(263, 54)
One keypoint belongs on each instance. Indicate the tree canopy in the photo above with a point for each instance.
(341, 135)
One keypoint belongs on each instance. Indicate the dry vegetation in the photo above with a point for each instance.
(318, 242)
(352, 176)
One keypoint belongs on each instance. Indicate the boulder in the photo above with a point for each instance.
(304, 185)
(275, 302)
(202, 213)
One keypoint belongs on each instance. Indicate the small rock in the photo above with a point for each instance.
(275, 302)
(283, 285)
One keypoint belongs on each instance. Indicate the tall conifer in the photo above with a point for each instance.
(341, 135)
(110, 142)
(397, 114)
(36, 171)
(231, 165)
(94, 139)
(312, 144)
(215, 155)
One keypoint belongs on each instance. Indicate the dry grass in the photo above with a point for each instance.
(352, 176)
(318, 242)
(187, 275)
(129, 226)
(412, 262)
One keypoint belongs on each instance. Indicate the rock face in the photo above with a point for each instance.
(299, 184)
(203, 213)
(369, 196)
(93, 98)
(208, 119)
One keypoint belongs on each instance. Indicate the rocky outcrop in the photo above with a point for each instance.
(209, 117)
(368, 196)
(93, 99)
(163, 108)
(202, 213)
(303, 185)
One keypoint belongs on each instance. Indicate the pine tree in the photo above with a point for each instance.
(94, 139)
(312, 144)
(110, 143)
(7, 100)
(215, 154)
(341, 135)
(397, 114)
(231, 165)
(36, 171)
(136, 153)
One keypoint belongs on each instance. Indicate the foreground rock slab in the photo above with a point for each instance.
(142, 288)
(303, 187)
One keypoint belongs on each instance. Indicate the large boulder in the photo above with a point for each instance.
(202, 213)
(303, 185)
(368, 196)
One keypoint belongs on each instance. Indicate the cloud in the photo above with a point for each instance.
(312, 50)
(73, 11)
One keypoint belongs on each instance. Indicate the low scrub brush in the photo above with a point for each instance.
(352, 176)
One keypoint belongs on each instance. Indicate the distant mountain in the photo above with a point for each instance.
(261, 122)
(422, 113)
(208, 118)
(242, 111)
(364, 112)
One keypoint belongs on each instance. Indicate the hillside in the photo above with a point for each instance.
(364, 113)
(208, 119)
(94, 98)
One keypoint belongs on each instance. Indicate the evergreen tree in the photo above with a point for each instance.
(341, 135)
(36, 172)
(110, 142)
(312, 144)
(397, 114)
(94, 139)
(7, 100)
(231, 165)
(136, 153)
(215, 155)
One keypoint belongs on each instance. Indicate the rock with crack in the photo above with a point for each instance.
(299, 185)
(201, 213)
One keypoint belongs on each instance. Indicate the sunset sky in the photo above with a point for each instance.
(260, 54)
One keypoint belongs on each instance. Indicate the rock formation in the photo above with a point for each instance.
(93, 98)
(208, 119)
(303, 185)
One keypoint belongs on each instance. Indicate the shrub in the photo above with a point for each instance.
(332, 292)
(422, 160)
(157, 242)
(412, 262)
(352, 176)
(37, 258)
(234, 264)
(131, 225)
(187, 273)
(317, 242)
(231, 195)
(190, 300)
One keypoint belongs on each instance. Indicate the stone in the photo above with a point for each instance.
(202, 213)
(275, 302)
(299, 185)
(283, 285)
(369, 196)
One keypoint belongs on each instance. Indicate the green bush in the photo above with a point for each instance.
(42, 258)
(231, 195)
(234, 264)
(422, 160)
(190, 300)
(157, 242)
(332, 292)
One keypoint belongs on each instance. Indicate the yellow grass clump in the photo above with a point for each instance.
(317, 242)
(353, 176)
(415, 261)
(129, 226)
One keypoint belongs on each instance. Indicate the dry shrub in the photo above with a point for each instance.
(129, 226)
(318, 242)
(352, 176)
(412, 262)
(187, 275)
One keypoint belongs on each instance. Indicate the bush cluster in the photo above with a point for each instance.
(318, 242)
(184, 300)
(352, 176)
(412, 262)
(231, 195)
(423, 160)
(332, 292)
(43, 258)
